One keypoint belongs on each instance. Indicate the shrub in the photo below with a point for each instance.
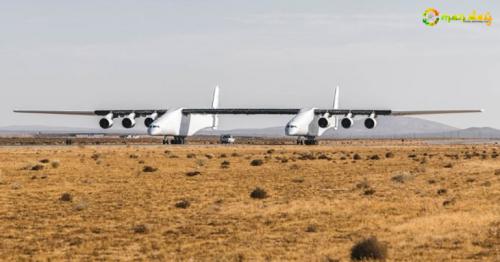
(257, 162)
(311, 228)
(55, 164)
(140, 229)
(324, 157)
(134, 156)
(389, 155)
(183, 204)
(270, 151)
(402, 177)
(44, 161)
(149, 169)
(369, 192)
(374, 157)
(37, 167)
(497, 172)
(298, 180)
(369, 248)
(258, 193)
(95, 156)
(449, 165)
(222, 155)
(225, 164)
(209, 156)
(191, 155)
(193, 173)
(442, 191)
(67, 197)
(356, 156)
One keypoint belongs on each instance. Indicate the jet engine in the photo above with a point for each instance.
(129, 121)
(323, 122)
(150, 119)
(106, 122)
(370, 123)
(347, 121)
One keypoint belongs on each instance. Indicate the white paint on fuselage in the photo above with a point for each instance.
(175, 123)
(305, 123)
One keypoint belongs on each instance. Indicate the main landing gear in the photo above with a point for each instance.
(178, 140)
(307, 140)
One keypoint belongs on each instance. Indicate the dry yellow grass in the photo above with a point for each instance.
(425, 202)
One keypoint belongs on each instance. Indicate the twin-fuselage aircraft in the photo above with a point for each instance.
(306, 125)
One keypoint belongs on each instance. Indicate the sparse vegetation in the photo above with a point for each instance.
(183, 204)
(193, 173)
(37, 167)
(225, 164)
(140, 229)
(149, 169)
(258, 193)
(311, 228)
(315, 202)
(55, 164)
(369, 248)
(257, 162)
(66, 197)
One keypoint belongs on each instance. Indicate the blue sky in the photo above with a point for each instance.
(151, 54)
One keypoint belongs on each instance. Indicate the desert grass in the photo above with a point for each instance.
(319, 203)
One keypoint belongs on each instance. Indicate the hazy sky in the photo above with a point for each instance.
(158, 54)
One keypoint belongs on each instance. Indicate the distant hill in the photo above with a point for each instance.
(386, 127)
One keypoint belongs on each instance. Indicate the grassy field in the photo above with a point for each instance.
(424, 203)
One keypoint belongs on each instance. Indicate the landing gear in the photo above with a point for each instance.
(178, 140)
(308, 140)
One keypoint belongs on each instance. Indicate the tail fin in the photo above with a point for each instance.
(336, 98)
(215, 104)
(215, 101)
(336, 106)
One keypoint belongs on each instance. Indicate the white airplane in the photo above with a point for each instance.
(307, 124)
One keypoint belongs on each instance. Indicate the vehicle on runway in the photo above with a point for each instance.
(307, 123)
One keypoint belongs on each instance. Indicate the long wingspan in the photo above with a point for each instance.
(253, 111)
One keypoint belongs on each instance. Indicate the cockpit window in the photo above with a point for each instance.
(291, 126)
(155, 126)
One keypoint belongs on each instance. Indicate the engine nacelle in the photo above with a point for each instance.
(106, 123)
(129, 121)
(347, 122)
(323, 122)
(150, 119)
(370, 123)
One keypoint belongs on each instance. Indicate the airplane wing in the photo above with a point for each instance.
(254, 111)
(116, 113)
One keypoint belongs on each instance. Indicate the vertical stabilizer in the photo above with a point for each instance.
(336, 106)
(215, 101)
(215, 104)
(336, 98)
